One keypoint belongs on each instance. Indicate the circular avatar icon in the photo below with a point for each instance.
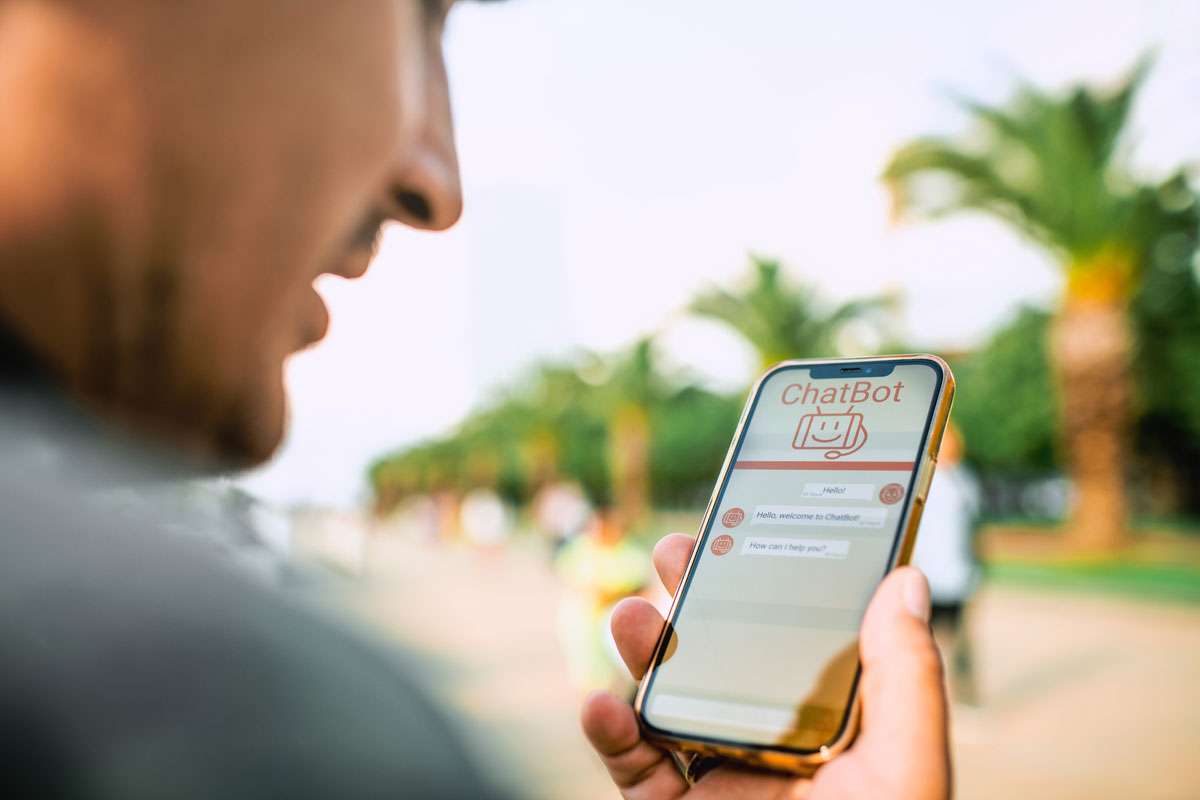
(733, 517)
(891, 493)
(722, 544)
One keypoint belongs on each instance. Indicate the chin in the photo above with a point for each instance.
(255, 428)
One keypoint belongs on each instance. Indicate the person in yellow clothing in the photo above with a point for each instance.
(598, 569)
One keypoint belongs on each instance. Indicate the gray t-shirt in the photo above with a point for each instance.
(136, 662)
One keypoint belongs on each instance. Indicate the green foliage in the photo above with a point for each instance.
(497, 445)
(635, 378)
(779, 318)
(1166, 321)
(566, 409)
(690, 433)
(1005, 405)
(1056, 168)
(558, 420)
(1179, 582)
(583, 439)
(1050, 165)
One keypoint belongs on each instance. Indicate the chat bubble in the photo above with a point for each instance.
(840, 491)
(820, 515)
(794, 548)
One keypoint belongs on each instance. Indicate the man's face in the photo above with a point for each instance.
(201, 164)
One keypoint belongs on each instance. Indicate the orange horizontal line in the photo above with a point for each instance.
(830, 465)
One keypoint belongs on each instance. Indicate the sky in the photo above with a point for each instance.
(618, 156)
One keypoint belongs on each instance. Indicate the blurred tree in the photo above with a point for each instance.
(1005, 400)
(617, 426)
(1051, 166)
(634, 389)
(690, 432)
(779, 318)
(544, 426)
(1166, 323)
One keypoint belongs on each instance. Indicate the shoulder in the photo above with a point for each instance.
(146, 659)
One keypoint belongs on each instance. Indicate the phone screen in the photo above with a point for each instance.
(765, 633)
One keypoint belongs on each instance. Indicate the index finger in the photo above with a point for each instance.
(671, 556)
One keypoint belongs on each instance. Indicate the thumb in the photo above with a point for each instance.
(903, 694)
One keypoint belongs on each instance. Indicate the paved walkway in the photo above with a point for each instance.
(1082, 697)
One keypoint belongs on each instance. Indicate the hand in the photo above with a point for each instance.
(901, 750)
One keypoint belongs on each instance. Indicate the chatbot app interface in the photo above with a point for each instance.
(765, 645)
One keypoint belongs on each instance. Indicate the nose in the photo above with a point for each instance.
(425, 189)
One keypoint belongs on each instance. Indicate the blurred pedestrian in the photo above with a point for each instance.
(560, 511)
(485, 520)
(597, 570)
(417, 517)
(945, 552)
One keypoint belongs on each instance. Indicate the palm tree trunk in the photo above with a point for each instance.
(630, 459)
(1091, 343)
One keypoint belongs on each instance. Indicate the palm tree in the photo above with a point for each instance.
(779, 318)
(1053, 167)
(631, 393)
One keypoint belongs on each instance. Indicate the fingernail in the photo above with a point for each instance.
(916, 596)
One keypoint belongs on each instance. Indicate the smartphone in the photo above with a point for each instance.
(818, 499)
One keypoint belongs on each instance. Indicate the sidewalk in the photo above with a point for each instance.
(1083, 697)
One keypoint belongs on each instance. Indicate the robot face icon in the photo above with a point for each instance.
(837, 434)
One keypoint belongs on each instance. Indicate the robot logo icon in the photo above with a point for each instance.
(837, 434)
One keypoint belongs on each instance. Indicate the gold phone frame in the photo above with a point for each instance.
(765, 755)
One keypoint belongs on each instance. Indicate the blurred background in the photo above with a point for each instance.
(663, 198)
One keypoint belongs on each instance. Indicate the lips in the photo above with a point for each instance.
(354, 264)
(316, 319)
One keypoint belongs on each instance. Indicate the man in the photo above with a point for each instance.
(173, 177)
